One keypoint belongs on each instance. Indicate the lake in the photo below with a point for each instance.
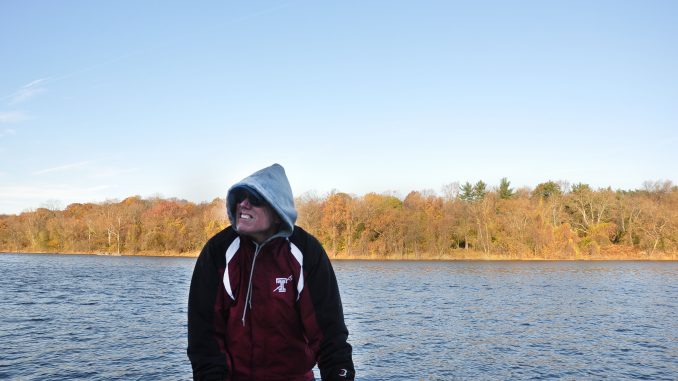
(76, 317)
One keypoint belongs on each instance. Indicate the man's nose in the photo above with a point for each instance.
(245, 203)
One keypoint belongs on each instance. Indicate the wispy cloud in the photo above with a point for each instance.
(7, 117)
(113, 172)
(18, 198)
(35, 83)
(6, 132)
(92, 168)
(62, 168)
(26, 92)
(49, 192)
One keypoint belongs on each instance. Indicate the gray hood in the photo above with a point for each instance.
(272, 184)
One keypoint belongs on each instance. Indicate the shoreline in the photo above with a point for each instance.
(474, 256)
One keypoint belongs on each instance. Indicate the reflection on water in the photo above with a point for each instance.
(88, 317)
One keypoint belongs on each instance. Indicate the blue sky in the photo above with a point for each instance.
(104, 100)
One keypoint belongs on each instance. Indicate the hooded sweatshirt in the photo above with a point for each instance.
(271, 183)
(267, 311)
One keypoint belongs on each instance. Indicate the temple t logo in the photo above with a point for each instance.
(281, 282)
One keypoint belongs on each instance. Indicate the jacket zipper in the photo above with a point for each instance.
(248, 295)
(248, 303)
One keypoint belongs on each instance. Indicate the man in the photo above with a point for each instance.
(264, 302)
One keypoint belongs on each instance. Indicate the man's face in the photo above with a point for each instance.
(254, 217)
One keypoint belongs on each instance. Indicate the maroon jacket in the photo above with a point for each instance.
(294, 320)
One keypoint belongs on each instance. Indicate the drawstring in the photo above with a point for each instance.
(248, 297)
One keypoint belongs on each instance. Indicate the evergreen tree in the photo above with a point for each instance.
(479, 190)
(504, 191)
(467, 192)
(580, 188)
(546, 190)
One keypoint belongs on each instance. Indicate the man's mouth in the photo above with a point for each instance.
(245, 216)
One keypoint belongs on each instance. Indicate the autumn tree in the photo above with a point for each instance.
(336, 221)
(381, 226)
(546, 222)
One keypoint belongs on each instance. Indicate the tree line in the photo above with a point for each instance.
(554, 220)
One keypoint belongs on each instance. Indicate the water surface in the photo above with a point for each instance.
(124, 318)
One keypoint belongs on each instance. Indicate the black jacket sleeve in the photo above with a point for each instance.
(205, 332)
(335, 353)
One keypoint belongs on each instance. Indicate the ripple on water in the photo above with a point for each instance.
(119, 318)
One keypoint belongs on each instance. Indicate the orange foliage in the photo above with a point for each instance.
(559, 225)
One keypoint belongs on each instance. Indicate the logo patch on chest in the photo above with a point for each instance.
(281, 282)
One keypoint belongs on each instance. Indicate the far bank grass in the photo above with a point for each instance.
(610, 253)
(607, 253)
